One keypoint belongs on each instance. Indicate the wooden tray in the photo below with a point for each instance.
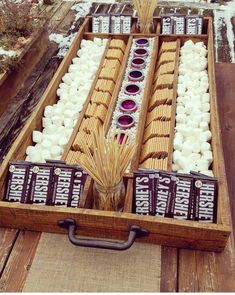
(96, 223)
(12, 81)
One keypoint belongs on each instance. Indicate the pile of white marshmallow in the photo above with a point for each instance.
(59, 119)
(192, 149)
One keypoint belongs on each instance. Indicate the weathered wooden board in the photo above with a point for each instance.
(12, 81)
(19, 262)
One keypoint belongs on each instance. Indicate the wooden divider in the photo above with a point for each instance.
(173, 111)
(86, 198)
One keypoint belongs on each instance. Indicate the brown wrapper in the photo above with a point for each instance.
(63, 178)
(77, 188)
(40, 184)
(115, 23)
(181, 204)
(167, 24)
(165, 193)
(179, 24)
(205, 199)
(17, 181)
(142, 192)
(193, 24)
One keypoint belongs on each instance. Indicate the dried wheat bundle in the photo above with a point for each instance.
(145, 10)
(110, 158)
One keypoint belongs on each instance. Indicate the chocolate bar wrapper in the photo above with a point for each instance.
(40, 184)
(154, 177)
(101, 23)
(142, 192)
(193, 24)
(167, 24)
(125, 24)
(56, 162)
(63, 178)
(179, 24)
(77, 187)
(115, 23)
(205, 202)
(17, 181)
(200, 24)
(165, 193)
(181, 206)
(201, 175)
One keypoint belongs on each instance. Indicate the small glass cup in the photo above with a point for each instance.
(109, 198)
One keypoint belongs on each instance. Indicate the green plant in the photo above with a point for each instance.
(17, 18)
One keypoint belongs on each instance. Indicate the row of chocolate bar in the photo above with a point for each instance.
(115, 24)
(52, 183)
(175, 23)
(180, 196)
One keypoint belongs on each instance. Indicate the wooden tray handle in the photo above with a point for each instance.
(135, 232)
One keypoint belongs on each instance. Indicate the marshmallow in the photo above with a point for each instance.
(202, 165)
(45, 154)
(68, 123)
(46, 144)
(204, 126)
(56, 150)
(206, 117)
(57, 121)
(48, 112)
(31, 150)
(63, 141)
(28, 159)
(205, 146)
(208, 135)
(46, 122)
(207, 155)
(37, 136)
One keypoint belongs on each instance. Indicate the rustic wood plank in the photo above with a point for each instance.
(225, 89)
(61, 12)
(203, 271)
(15, 78)
(169, 269)
(19, 263)
(7, 239)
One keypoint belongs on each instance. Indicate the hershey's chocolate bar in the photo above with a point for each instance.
(126, 24)
(181, 205)
(101, 23)
(77, 187)
(63, 178)
(115, 24)
(39, 188)
(167, 24)
(193, 24)
(17, 181)
(165, 193)
(205, 202)
(142, 192)
(178, 24)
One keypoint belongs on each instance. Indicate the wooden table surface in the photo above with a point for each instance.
(181, 270)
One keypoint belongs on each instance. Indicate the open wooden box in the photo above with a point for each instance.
(97, 223)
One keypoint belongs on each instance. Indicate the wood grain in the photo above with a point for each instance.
(203, 271)
(19, 262)
(169, 269)
(7, 239)
(14, 80)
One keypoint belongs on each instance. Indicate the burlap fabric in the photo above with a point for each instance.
(60, 266)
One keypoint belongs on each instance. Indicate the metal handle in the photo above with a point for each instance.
(135, 232)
